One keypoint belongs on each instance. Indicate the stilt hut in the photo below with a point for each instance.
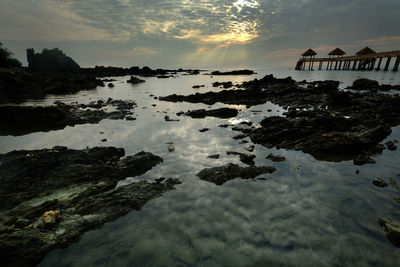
(337, 52)
(365, 51)
(309, 54)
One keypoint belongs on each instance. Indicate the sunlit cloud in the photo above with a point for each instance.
(135, 51)
(52, 21)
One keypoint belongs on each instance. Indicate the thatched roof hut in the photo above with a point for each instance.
(365, 51)
(337, 52)
(309, 53)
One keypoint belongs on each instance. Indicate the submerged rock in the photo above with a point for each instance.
(392, 230)
(275, 158)
(50, 197)
(220, 175)
(380, 182)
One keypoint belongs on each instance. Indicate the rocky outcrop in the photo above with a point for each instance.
(50, 197)
(220, 113)
(225, 85)
(233, 72)
(372, 85)
(17, 85)
(220, 175)
(20, 120)
(321, 120)
(135, 80)
(51, 60)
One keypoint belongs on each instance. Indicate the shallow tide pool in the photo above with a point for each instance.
(306, 213)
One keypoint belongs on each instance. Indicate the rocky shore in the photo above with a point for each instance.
(50, 197)
(328, 123)
(20, 120)
(18, 84)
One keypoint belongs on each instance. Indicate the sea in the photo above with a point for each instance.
(307, 213)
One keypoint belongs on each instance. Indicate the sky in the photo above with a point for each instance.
(210, 34)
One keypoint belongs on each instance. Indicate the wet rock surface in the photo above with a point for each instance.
(379, 182)
(135, 80)
(50, 197)
(392, 230)
(230, 171)
(275, 158)
(20, 120)
(372, 85)
(220, 113)
(17, 85)
(321, 120)
(223, 84)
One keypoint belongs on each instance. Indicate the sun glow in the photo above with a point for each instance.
(239, 4)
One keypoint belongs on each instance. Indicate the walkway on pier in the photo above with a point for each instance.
(357, 62)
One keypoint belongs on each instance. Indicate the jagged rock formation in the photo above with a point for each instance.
(50, 60)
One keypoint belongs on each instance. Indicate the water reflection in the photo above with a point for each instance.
(307, 213)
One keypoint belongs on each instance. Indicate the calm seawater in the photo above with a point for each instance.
(307, 213)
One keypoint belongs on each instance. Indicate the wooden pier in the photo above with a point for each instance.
(365, 59)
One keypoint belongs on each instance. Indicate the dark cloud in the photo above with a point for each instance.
(194, 28)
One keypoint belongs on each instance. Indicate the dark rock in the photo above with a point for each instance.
(390, 145)
(216, 156)
(247, 159)
(233, 153)
(223, 84)
(392, 230)
(239, 136)
(363, 159)
(167, 118)
(135, 80)
(197, 86)
(17, 85)
(224, 125)
(249, 148)
(220, 113)
(74, 191)
(111, 85)
(20, 120)
(364, 84)
(380, 182)
(180, 113)
(204, 130)
(275, 158)
(51, 60)
(130, 118)
(234, 72)
(104, 140)
(220, 175)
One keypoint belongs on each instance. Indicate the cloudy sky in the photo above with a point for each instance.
(199, 33)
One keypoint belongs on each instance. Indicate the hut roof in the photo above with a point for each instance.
(337, 52)
(365, 51)
(308, 53)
